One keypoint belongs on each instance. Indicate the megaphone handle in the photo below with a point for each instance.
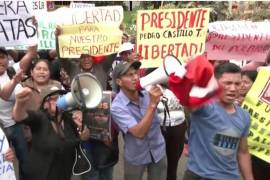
(82, 101)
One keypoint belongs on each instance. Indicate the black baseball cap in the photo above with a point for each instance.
(122, 67)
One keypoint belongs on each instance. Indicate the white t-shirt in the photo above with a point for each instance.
(6, 106)
(177, 115)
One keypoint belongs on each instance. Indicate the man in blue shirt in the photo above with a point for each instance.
(218, 147)
(135, 113)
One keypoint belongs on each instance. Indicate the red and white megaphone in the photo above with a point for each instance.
(193, 83)
(170, 65)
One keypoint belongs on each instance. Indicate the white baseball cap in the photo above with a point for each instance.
(127, 46)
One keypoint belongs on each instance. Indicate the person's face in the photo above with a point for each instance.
(52, 53)
(230, 83)
(3, 64)
(41, 73)
(86, 63)
(124, 39)
(128, 81)
(50, 105)
(245, 85)
(126, 55)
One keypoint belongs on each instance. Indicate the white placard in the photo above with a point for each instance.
(16, 26)
(6, 168)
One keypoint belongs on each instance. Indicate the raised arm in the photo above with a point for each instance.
(20, 108)
(26, 61)
(8, 88)
(142, 128)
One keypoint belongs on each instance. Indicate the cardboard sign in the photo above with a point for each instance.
(257, 103)
(39, 6)
(93, 15)
(179, 32)
(46, 37)
(81, 5)
(93, 39)
(16, 26)
(47, 21)
(238, 40)
(6, 168)
(99, 119)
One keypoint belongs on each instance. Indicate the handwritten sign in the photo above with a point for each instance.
(16, 26)
(46, 37)
(179, 32)
(257, 103)
(93, 15)
(239, 40)
(39, 6)
(93, 39)
(112, 15)
(81, 5)
(6, 168)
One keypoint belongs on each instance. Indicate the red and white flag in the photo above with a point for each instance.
(196, 85)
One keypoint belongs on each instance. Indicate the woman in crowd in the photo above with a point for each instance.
(248, 78)
(40, 77)
(259, 166)
(173, 128)
(55, 134)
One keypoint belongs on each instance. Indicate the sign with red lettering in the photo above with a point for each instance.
(16, 26)
(238, 40)
(179, 32)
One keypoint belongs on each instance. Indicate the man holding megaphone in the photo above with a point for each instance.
(135, 113)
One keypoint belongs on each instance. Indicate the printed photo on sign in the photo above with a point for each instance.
(99, 119)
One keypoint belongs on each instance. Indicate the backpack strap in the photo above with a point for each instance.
(164, 101)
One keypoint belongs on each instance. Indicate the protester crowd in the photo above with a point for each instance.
(153, 122)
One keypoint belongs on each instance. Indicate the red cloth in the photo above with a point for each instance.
(199, 72)
(98, 59)
(181, 88)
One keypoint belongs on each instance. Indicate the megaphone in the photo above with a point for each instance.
(86, 91)
(170, 65)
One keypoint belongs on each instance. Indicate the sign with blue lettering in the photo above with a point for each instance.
(6, 167)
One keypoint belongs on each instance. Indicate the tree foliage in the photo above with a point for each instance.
(219, 11)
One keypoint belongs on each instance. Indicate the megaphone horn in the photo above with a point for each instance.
(86, 91)
(170, 65)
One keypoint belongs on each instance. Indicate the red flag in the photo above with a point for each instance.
(197, 86)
